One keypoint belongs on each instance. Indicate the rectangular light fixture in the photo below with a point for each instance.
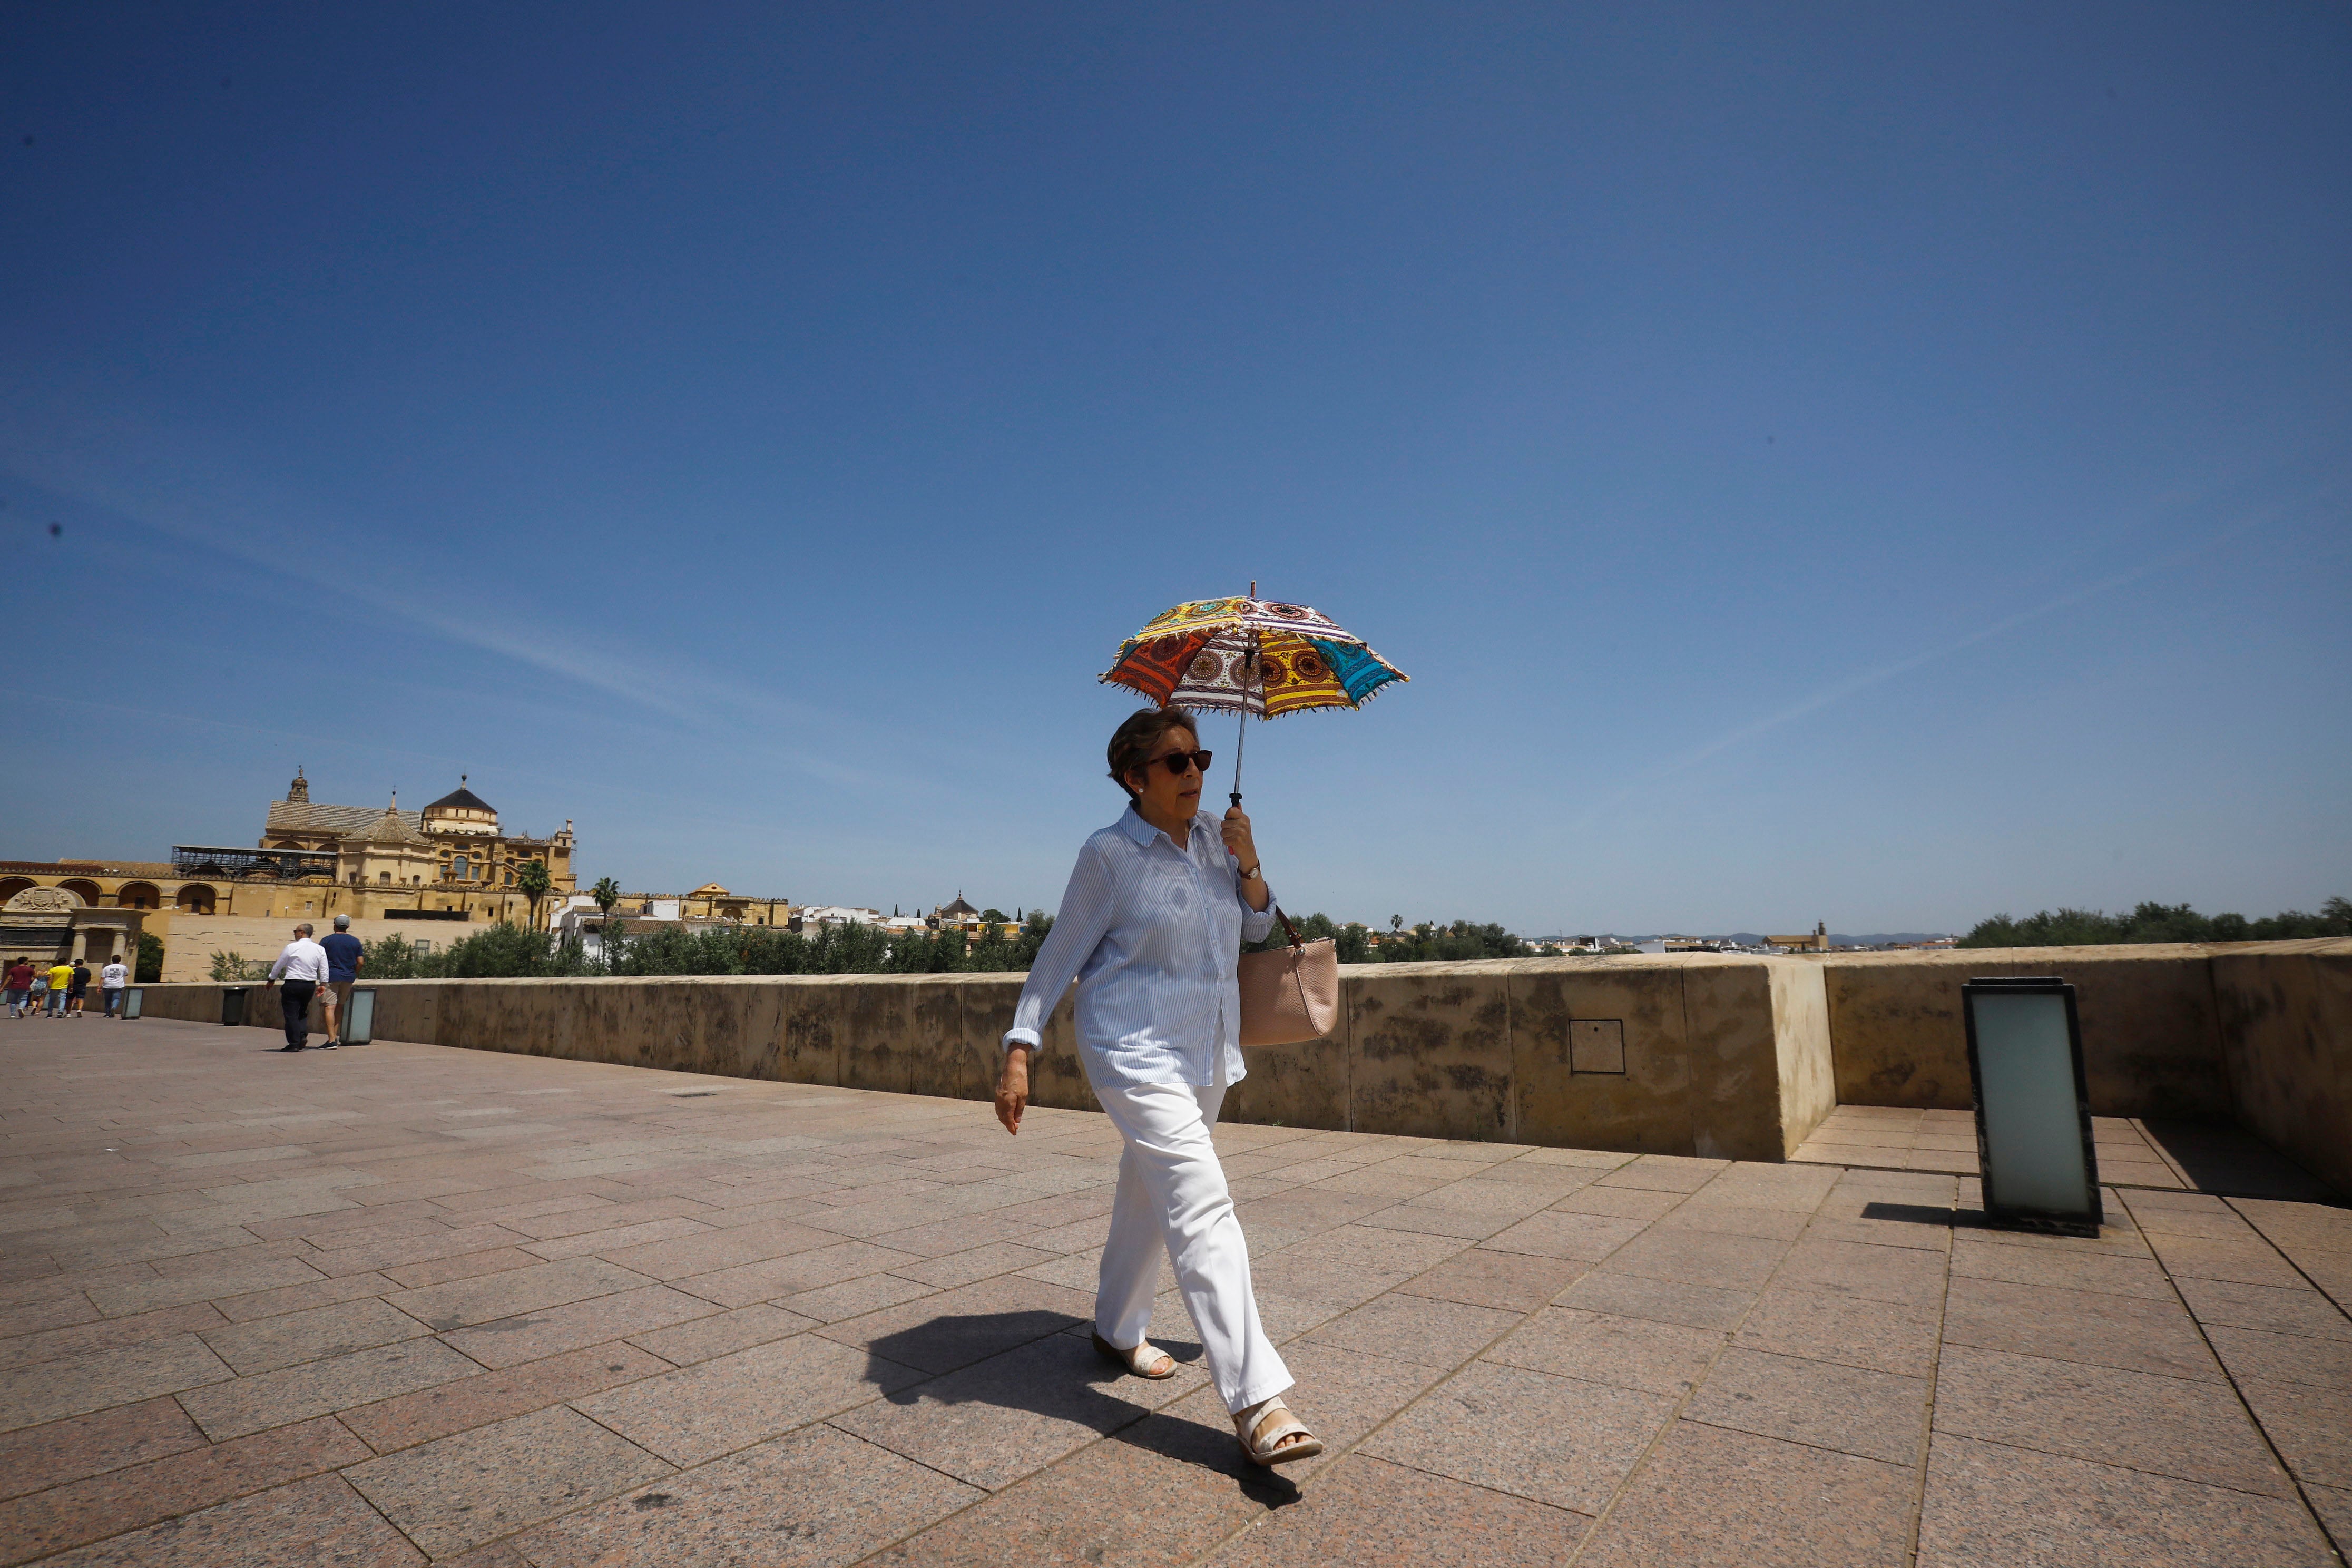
(133, 998)
(360, 1027)
(2039, 1167)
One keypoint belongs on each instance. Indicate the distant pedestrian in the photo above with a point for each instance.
(77, 988)
(343, 960)
(60, 979)
(36, 995)
(18, 984)
(110, 981)
(303, 966)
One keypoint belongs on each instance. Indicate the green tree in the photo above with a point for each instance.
(607, 892)
(507, 951)
(1034, 932)
(1351, 942)
(994, 952)
(237, 966)
(390, 957)
(147, 970)
(534, 883)
(2154, 922)
(1461, 942)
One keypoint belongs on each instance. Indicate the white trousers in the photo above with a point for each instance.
(1173, 1197)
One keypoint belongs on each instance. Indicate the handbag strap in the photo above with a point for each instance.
(1295, 939)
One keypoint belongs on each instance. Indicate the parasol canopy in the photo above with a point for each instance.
(1248, 655)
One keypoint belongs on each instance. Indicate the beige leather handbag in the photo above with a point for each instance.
(1291, 994)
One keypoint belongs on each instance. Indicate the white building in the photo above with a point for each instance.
(810, 915)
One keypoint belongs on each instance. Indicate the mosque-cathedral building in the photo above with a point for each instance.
(384, 867)
(449, 857)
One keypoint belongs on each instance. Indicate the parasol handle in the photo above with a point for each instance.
(1242, 734)
(1238, 739)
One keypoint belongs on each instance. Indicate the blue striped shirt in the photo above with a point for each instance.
(1150, 931)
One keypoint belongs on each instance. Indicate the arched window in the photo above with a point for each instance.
(139, 896)
(83, 889)
(196, 898)
(460, 868)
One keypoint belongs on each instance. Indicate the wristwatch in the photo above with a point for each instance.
(1251, 875)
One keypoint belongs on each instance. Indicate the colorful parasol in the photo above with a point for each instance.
(1249, 655)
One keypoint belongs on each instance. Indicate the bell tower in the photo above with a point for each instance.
(299, 791)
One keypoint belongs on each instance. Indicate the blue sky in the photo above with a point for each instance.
(1879, 465)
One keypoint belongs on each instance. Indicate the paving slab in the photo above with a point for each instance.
(1854, 1410)
(1371, 1511)
(1553, 1440)
(1992, 1505)
(514, 1312)
(730, 1402)
(462, 1490)
(820, 1497)
(1710, 1497)
(305, 1525)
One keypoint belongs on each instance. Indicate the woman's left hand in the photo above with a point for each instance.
(1238, 842)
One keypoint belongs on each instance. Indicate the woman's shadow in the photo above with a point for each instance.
(1032, 1362)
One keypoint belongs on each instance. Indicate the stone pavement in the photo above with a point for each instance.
(2133, 1152)
(402, 1304)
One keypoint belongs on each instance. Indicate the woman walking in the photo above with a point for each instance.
(1151, 927)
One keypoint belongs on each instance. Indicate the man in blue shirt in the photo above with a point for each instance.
(343, 962)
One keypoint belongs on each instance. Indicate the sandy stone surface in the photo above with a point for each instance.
(401, 1304)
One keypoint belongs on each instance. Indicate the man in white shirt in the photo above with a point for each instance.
(303, 966)
(110, 981)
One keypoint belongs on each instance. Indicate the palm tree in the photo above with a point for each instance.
(607, 892)
(534, 883)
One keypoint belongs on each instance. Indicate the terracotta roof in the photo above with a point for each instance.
(392, 827)
(342, 821)
(959, 908)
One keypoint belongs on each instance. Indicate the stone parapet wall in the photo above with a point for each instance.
(1686, 1055)
(2284, 1011)
(1679, 1054)
(2150, 1034)
(2259, 1033)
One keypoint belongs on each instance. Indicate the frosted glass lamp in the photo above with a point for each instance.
(2033, 1111)
(360, 1027)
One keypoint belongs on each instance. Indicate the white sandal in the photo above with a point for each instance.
(1146, 1360)
(1261, 1434)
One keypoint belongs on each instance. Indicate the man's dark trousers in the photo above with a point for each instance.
(298, 994)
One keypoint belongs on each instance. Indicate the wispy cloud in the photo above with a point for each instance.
(149, 478)
(83, 705)
(296, 554)
(199, 492)
(1838, 691)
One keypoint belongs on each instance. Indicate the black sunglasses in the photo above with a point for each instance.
(1177, 762)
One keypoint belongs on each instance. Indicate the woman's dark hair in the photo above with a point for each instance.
(1131, 742)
